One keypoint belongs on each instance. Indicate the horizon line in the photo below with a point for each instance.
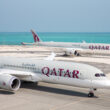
(48, 32)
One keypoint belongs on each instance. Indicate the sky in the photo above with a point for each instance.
(55, 15)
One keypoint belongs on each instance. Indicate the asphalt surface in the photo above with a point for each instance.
(45, 96)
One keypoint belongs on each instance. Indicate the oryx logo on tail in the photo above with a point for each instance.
(35, 36)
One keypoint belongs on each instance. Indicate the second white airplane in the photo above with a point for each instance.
(68, 47)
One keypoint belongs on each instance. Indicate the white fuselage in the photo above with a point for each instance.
(91, 46)
(74, 74)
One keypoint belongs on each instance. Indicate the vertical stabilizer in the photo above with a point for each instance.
(35, 36)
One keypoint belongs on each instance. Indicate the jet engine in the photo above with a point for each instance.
(9, 82)
(70, 52)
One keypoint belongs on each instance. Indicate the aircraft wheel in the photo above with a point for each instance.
(95, 89)
(91, 95)
(78, 54)
(75, 53)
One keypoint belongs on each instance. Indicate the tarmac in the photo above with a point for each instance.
(46, 96)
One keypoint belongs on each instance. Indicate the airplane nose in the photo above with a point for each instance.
(102, 84)
(107, 84)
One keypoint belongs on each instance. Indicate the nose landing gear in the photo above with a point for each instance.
(91, 93)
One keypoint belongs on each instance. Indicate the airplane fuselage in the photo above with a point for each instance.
(74, 74)
(91, 46)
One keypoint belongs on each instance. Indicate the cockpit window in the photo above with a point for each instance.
(97, 75)
(100, 75)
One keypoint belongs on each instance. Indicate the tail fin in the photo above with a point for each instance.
(35, 36)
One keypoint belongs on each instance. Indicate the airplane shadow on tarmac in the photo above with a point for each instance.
(5, 92)
(52, 90)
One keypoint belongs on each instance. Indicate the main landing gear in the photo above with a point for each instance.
(91, 93)
(76, 53)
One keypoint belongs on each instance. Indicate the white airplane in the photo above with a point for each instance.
(13, 70)
(69, 48)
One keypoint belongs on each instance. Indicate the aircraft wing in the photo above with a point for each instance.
(22, 75)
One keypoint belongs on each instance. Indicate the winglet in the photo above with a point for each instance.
(35, 36)
(51, 57)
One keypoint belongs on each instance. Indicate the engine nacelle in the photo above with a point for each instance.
(71, 52)
(9, 82)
